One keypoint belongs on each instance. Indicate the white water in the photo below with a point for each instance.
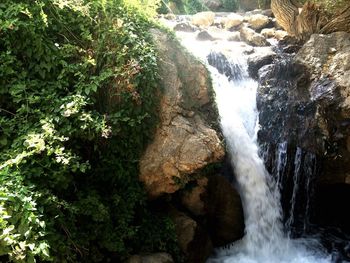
(264, 240)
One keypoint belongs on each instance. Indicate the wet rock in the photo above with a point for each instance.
(151, 258)
(184, 141)
(203, 19)
(224, 66)
(261, 57)
(204, 36)
(306, 102)
(251, 37)
(258, 21)
(193, 240)
(185, 27)
(231, 21)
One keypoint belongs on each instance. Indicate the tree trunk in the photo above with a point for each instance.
(340, 22)
(312, 18)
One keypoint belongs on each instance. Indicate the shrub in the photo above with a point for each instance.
(78, 105)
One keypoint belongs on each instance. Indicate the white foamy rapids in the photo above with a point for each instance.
(264, 241)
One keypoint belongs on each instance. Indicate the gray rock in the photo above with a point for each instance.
(185, 27)
(251, 37)
(204, 36)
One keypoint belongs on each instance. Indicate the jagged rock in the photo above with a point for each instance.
(204, 36)
(203, 19)
(258, 21)
(151, 258)
(231, 21)
(312, 110)
(261, 57)
(251, 37)
(193, 240)
(329, 55)
(268, 32)
(185, 27)
(184, 142)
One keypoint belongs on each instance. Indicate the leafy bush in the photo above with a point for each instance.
(331, 5)
(230, 5)
(77, 106)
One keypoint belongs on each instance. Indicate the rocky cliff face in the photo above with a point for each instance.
(185, 140)
(303, 100)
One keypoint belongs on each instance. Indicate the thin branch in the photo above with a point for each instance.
(9, 112)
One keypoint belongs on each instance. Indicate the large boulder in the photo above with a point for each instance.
(203, 19)
(232, 20)
(184, 141)
(258, 21)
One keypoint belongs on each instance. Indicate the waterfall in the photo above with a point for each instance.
(265, 240)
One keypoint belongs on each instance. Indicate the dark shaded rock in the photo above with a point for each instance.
(219, 204)
(331, 207)
(185, 27)
(225, 212)
(204, 36)
(193, 240)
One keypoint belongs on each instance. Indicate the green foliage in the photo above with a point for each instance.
(194, 6)
(331, 6)
(77, 106)
(230, 5)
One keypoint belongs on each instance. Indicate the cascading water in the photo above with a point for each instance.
(265, 240)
